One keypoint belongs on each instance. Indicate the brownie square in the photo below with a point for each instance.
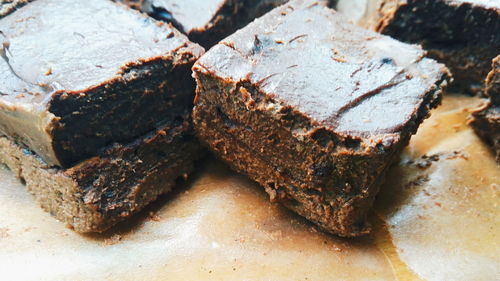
(486, 120)
(463, 34)
(77, 76)
(314, 109)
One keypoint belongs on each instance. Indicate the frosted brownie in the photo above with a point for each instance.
(95, 103)
(463, 34)
(70, 86)
(314, 109)
(486, 120)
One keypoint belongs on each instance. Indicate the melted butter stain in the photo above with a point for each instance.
(383, 241)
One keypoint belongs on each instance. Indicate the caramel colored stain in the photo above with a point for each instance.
(383, 241)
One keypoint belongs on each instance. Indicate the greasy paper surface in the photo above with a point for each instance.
(443, 216)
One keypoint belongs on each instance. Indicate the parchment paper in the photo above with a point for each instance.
(437, 218)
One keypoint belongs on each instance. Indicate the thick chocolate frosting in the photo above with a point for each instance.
(344, 78)
(54, 48)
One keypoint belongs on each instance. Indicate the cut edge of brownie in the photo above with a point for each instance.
(157, 83)
(101, 191)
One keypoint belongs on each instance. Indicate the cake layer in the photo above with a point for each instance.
(70, 85)
(101, 191)
(314, 109)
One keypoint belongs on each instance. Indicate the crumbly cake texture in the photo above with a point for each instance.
(101, 191)
(463, 34)
(314, 109)
(70, 86)
(486, 120)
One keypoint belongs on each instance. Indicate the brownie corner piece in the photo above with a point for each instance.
(69, 86)
(314, 109)
(486, 119)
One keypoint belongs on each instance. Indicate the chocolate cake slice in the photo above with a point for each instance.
(463, 34)
(486, 120)
(69, 85)
(314, 109)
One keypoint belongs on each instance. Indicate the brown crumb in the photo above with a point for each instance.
(338, 59)
(115, 239)
(48, 72)
(154, 217)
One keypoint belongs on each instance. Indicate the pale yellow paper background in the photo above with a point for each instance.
(444, 222)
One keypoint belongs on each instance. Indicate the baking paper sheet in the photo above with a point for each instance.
(435, 219)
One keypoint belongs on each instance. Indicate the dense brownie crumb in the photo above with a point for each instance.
(314, 109)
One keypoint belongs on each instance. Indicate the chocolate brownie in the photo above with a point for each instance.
(463, 34)
(105, 189)
(314, 109)
(76, 76)
(486, 120)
